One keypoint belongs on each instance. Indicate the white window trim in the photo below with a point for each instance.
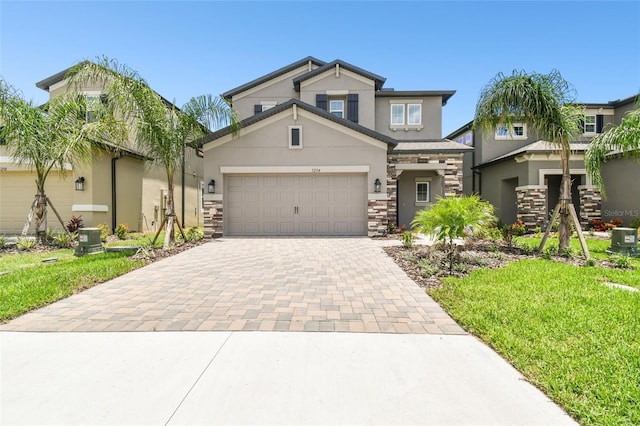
(90, 94)
(291, 137)
(510, 135)
(584, 127)
(267, 105)
(332, 111)
(422, 182)
(403, 114)
(419, 123)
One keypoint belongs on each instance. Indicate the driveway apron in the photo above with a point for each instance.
(255, 284)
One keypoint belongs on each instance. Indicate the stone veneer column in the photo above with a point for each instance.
(213, 218)
(453, 177)
(590, 205)
(377, 215)
(532, 206)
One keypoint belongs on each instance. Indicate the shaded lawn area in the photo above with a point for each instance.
(31, 284)
(573, 337)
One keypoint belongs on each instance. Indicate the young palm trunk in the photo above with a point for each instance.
(169, 236)
(564, 229)
(41, 217)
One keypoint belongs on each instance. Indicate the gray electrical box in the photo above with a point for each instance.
(89, 242)
(624, 241)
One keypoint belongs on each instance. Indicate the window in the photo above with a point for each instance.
(397, 114)
(468, 139)
(589, 124)
(406, 113)
(516, 131)
(336, 107)
(414, 114)
(267, 105)
(93, 103)
(461, 139)
(422, 192)
(92, 107)
(295, 137)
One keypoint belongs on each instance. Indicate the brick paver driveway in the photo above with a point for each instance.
(270, 284)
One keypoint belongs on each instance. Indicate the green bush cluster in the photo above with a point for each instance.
(121, 231)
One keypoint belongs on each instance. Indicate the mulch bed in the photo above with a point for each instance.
(474, 255)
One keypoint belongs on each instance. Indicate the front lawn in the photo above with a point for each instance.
(28, 283)
(569, 334)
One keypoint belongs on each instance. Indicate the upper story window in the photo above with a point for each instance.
(336, 107)
(414, 114)
(397, 114)
(407, 114)
(516, 131)
(92, 102)
(267, 105)
(589, 124)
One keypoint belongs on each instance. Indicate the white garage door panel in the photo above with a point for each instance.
(296, 204)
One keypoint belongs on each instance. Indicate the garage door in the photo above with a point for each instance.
(326, 204)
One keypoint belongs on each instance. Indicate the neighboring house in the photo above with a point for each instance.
(520, 174)
(324, 149)
(119, 186)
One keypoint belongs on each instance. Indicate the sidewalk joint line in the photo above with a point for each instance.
(198, 379)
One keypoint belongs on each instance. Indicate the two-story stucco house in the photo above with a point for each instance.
(118, 185)
(520, 174)
(325, 149)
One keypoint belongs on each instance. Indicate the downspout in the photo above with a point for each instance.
(114, 197)
(183, 188)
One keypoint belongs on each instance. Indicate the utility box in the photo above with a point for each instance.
(624, 241)
(89, 242)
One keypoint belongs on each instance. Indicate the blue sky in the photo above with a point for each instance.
(188, 48)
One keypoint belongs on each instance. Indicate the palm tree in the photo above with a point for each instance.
(454, 217)
(623, 139)
(161, 130)
(545, 103)
(49, 136)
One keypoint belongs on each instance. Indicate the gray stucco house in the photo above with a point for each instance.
(325, 149)
(520, 174)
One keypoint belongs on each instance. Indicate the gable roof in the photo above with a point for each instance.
(312, 109)
(379, 81)
(230, 93)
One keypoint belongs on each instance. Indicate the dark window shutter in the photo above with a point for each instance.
(321, 101)
(599, 123)
(581, 126)
(257, 109)
(352, 107)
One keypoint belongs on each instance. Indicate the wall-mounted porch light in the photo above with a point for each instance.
(377, 186)
(80, 183)
(211, 188)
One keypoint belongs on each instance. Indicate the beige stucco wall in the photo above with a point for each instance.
(431, 117)
(324, 144)
(622, 190)
(345, 82)
(407, 205)
(279, 89)
(154, 184)
(17, 192)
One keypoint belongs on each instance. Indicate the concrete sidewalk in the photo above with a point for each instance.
(262, 378)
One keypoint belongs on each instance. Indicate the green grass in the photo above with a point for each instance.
(576, 339)
(31, 284)
(597, 247)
